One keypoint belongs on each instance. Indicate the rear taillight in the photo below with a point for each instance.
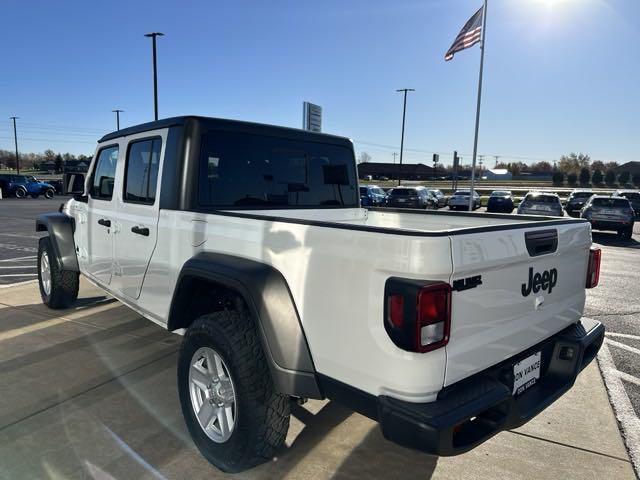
(593, 269)
(417, 314)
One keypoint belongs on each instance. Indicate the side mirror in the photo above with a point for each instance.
(79, 197)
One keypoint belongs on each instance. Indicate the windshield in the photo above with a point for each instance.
(542, 199)
(377, 191)
(501, 194)
(610, 202)
(581, 195)
(398, 192)
(631, 195)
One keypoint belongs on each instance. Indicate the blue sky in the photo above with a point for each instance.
(560, 75)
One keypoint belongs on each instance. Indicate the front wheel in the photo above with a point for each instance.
(49, 193)
(58, 288)
(234, 414)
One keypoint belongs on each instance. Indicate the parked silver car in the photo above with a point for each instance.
(610, 213)
(539, 203)
(633, 196)
(460, 200)
(439, 196)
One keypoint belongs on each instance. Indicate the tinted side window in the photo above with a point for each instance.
(104, 173)
(255, 171)
(140, 180)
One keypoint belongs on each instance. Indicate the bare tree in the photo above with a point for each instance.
(364, 157)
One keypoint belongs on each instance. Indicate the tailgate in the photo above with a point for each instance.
(533, 286)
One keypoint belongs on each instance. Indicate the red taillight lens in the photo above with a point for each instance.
(417, 316)
(395, 309)
(434, 317)
(593, 270)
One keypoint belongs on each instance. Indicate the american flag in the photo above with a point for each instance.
(468, 36)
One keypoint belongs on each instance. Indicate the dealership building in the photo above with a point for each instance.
(409, 171)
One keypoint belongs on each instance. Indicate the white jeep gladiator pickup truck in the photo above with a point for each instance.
(249, 239)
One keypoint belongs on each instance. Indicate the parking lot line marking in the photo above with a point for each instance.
(19, 266)
(19, 275)
(628, 378)
(19, 259)
(624, 411)
(17, 284)
(623, 346)
(622, 335)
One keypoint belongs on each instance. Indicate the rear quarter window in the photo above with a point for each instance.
(245, 171)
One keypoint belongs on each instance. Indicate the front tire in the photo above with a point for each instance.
(58, 288)
(224, 378)
(49, 193)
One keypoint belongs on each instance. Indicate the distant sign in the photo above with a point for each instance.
(311, 117)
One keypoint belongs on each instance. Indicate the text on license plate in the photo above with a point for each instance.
(526, 373)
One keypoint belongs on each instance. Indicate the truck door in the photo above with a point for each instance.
(100, 211)
(137, 212)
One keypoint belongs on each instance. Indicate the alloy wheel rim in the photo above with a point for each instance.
(45, 273)
(212, 393)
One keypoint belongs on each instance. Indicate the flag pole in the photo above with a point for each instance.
(475, 139)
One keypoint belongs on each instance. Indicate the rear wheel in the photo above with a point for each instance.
(230, 405)
(21, 192)
(58, 288)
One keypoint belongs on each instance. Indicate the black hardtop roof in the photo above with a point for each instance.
(230, 125)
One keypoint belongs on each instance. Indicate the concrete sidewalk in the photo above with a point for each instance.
(91, 393)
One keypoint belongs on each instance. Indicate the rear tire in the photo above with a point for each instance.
(21, 192)
(260, 418)
(58, 288)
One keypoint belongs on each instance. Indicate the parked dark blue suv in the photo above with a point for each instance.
(23, 185)
(372, 196)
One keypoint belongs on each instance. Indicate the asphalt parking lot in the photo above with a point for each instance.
(102, 401)
(18, 237)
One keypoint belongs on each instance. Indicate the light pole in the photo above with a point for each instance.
(117, 112)
(153, 36)
(15, 139)
(404, 111)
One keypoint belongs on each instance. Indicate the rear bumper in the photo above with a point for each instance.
(610, 224)
(471, 411)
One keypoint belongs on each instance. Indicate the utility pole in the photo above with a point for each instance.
(153, 36)
(404, 111)
(394, 157)
(117, 112)
(496, 157)
(15, 139)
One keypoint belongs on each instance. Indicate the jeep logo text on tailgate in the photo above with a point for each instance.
(540, 281)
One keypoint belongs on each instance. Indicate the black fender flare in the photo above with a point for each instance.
(60, 227)
(266, 293)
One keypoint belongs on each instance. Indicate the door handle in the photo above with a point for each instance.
(104, 222)
(140, 231)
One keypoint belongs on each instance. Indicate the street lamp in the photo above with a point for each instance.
(404, 111)
(153, 36)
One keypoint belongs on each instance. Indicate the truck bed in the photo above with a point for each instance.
(406, 221)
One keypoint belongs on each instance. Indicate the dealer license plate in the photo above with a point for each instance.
(526, 373)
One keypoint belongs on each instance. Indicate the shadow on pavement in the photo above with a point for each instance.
(611, 239)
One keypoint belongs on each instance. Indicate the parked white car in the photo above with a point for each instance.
(460, 200)
(249, 239)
